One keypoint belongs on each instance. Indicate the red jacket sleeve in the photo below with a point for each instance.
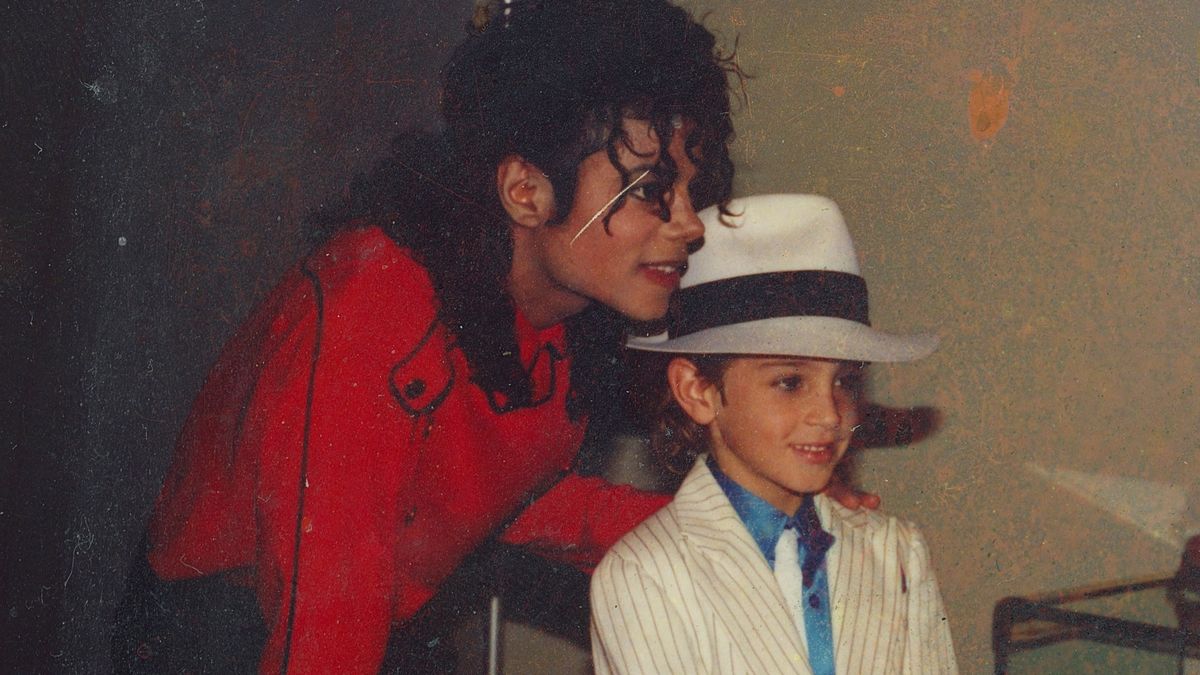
(580, 518)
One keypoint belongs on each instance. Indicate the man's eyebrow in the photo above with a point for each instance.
(652, 169)
(656, 168)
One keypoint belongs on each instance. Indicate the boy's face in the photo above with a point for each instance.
(635, 263)
(783, 423)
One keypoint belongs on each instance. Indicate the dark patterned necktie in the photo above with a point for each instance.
(813, 538)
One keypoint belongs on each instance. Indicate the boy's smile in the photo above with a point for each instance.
(782, 424)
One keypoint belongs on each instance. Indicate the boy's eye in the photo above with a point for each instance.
(789, 383)
(852, 383)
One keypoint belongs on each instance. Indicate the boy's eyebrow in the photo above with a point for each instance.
(798, 361)
(785, 362)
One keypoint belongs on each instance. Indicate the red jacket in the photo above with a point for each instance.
(342, 411)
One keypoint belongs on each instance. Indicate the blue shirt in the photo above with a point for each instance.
(765, 523)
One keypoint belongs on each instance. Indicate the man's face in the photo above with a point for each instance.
(635, 262)
(783, 423)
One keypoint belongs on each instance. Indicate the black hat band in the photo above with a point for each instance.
(767, 296)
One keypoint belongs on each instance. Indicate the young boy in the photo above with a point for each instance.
(749, 570)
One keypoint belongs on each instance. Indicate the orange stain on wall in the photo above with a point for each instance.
(987, 105)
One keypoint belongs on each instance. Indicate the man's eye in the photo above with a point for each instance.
(649, 192)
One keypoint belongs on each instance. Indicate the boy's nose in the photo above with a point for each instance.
(824, 411)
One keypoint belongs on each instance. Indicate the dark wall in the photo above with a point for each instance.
(157, 161)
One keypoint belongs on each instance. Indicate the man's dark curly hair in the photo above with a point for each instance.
(550, 81)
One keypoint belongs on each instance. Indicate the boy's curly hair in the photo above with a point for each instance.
(675, 439)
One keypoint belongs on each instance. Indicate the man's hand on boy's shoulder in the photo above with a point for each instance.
(849, 497)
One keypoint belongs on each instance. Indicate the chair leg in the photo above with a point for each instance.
(494, 636)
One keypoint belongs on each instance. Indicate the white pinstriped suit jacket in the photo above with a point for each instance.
(688, 591)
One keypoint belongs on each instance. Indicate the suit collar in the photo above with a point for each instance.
(733, 569)
(699, 488)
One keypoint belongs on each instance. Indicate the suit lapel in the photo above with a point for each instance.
(746, 598)
(866, 612)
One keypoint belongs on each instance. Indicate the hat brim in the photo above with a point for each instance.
(809, 336)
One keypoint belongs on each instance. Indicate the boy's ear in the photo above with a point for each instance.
(525, 192)
(698, 397)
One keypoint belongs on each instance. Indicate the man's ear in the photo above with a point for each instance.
(525, 192)
(698, 397)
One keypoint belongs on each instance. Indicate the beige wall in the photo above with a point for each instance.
(1057, 253)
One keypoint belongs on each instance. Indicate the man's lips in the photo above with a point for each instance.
(665, 273)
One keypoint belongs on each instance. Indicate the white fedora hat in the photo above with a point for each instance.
(781, 279)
